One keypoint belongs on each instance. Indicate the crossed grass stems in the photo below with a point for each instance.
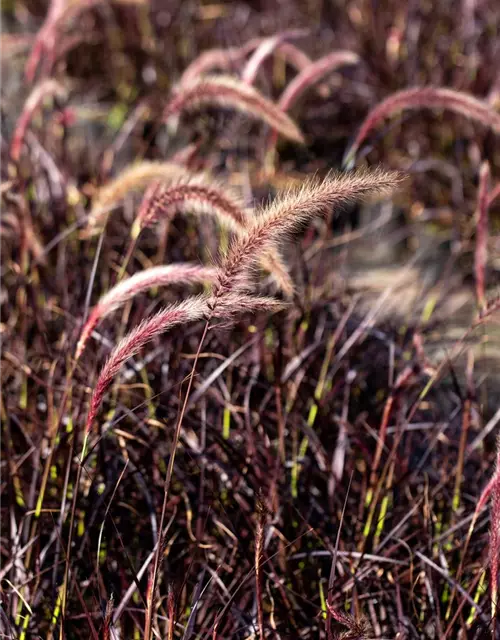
(172, 187)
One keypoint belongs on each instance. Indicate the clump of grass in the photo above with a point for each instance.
(258, 380)
(426, 98)
(233, 279)
(126, 290)
(229, 93)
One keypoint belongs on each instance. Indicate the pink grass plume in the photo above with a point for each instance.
(189, 310)
(309, 77)
(312, 74)
(291, 211)
(426, 98)
(199, 199)
(228, 93)
(163, 275)
(265, 49)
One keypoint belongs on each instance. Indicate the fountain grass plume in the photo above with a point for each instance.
(426, 98)
(312, 74)
(189, 195)
(290, 212)
(189, 310)
(230, 59)
(136, 178)
(217, 59)
(223, 205)
(265, 49)
(160, 276)
(229, 93)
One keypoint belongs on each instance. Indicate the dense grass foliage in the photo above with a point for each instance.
(250, 346)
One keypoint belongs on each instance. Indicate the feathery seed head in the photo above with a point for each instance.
(227, 92)
(313, 73)
(136, 178)
(426, 98)
(163, 275)
(199, 199)
(288, 213)
(189, 310)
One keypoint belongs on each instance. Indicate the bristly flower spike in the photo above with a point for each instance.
(425, 98)
(227, 92)
(163, 275)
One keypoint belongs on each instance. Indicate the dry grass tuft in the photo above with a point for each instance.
(227, 92)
